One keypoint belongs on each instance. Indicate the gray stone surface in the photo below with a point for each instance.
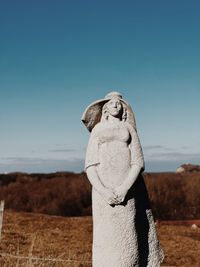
(124, 233)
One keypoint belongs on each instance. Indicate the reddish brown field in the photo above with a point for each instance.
(41, 240)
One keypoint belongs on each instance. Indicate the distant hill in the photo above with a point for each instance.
(188, 168)
(172, 195)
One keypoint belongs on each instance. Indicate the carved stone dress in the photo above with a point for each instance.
(124, 235)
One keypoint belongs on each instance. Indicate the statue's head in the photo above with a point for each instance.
(111, 105)
(114, 107)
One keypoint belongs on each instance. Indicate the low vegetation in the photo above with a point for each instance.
(172, 195)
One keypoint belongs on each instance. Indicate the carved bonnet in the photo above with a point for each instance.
(92, 114)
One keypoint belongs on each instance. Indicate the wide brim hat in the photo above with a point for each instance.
(92, 114)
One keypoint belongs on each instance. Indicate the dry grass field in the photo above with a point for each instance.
(31, 240)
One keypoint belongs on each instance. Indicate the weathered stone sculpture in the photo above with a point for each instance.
(124, 233)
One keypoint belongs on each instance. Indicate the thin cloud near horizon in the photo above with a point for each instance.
(154, 162)
(67, 150)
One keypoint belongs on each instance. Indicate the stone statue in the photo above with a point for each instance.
(124, 233)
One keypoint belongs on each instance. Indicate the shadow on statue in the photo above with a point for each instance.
(139, 193)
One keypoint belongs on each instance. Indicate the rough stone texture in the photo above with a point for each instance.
(124, 234)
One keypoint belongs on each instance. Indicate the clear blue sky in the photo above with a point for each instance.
(57, 57)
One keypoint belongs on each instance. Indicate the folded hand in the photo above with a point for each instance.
(110, 196)
(121, 192)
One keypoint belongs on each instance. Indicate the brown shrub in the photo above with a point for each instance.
(65, 194)
(172, 195)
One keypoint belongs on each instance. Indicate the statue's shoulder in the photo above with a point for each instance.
(130, 128)
(97, 128)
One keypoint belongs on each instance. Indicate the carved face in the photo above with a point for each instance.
(114, 107)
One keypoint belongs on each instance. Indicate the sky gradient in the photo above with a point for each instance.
(57, 57)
